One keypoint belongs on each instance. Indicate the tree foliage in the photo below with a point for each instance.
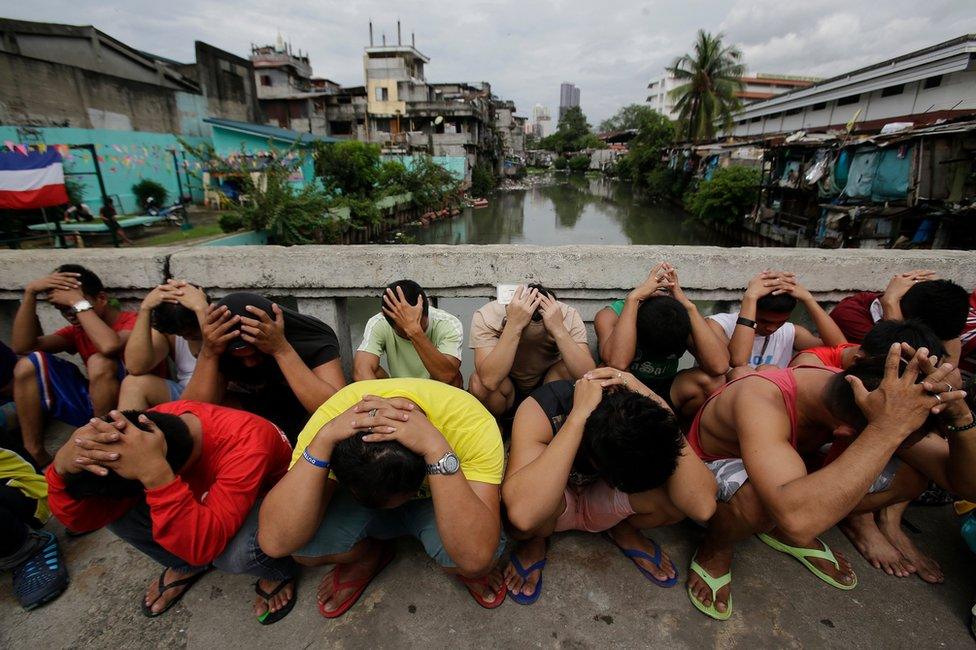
(655, 133)
(349, 168)
(149, 189)
(709, 78)
(725, 198)
(631, 116)
(572, 134)
(482, 179)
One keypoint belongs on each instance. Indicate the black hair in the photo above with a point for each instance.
(839, 395)
(411, 291)
(632, 442)
(179, 446)
(549, 293)
(663, 326)
(174, 318)
(783, 303)
(91, 284)
(941, 304)
(376, 472)
(914, 332)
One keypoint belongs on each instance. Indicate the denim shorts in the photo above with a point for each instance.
(347, 522)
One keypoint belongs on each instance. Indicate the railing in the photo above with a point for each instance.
(321, 278)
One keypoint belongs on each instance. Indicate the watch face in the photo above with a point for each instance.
(451, 464)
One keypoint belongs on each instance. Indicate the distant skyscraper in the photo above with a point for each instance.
(569, 96)
(541, 122)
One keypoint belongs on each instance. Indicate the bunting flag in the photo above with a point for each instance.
(31, 179)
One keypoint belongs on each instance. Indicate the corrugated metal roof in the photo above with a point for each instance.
(266, 131)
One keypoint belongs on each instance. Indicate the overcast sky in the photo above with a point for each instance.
(525, 48)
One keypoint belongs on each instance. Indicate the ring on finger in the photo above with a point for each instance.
(372, 413)
(369, 431)
(938, 397)
(949, 387)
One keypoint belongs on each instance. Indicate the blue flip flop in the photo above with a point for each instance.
(655, 559)
(521, 598)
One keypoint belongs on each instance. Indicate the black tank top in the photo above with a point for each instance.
(556, 401)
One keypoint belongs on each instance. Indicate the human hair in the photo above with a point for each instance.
(549, 293)
(174, 318)
(783, 303)
(839, 395)
(91, 284)
(411, 291)
(632, 442)
(663, 326)
(941, 304)
(179, 446)
(376, 472)
(914, 332)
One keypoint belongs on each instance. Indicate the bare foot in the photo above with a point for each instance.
(626, 536)
(277, 601)
(487, 588)
(872, 544)
(927, 568)
(349, 573)
(717, 562)
(528, 553)
(156, 602)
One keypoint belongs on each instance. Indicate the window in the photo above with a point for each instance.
(933, 82)
(755, 119)
(793, 111)
(850, 99)
(891, 91)
(819, 106)
(340, 128)
(265, 80)
(382, 94)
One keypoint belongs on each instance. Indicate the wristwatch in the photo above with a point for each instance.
(747, 322)
(80, 306)
(448, 464)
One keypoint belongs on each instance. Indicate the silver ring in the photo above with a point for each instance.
(372, 413)
(369, 431)
(619, 375)
(938, 397)
(949, 387)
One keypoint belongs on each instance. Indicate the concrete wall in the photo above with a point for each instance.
(322, 278)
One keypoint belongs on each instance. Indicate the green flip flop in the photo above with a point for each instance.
(714, 584)
(802, 554)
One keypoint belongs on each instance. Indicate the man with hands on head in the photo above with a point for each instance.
(649, 331)
(266, 359)
(418, 340)
(48, 385)
(518, 347)
(182, 483)
(384, 459)
(168, 327)
(602, 455)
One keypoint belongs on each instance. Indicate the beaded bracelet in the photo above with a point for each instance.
(972, 425)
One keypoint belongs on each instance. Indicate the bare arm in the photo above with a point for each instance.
(617, 335)
(493, 364)
(806, 359)
(711, 350)
(743, 338)
(366, 366)
(27, 335)
(207, 384)
(829, 333)
(575, 354)
(692, 488)
(442, 367)
(146, 347)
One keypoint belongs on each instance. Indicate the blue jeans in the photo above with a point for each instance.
(241, 555)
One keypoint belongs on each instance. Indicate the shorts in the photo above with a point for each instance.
(730, 474)
(64, 390)
(347, 522)
(175, 389)
(594, 508)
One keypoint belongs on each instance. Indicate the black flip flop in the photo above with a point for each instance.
(163, 587)
(270, 617)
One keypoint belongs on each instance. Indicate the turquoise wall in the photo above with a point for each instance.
(227, 142)
(457, 165)
(125, 157)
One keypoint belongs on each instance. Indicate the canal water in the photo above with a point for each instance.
(576, 210)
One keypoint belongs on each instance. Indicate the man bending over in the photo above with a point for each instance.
(408, 457)
(753, 435)
(605, 455)
(181, 483)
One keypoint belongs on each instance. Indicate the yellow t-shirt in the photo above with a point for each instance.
(469, 429)
(17, 473)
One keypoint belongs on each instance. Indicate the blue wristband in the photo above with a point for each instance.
(318, 462)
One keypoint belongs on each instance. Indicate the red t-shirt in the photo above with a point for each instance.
(78, 340)
(199, 512)
(831, 356)
(853, 315)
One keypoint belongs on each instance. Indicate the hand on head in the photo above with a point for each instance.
(406, 316)
(219, 328)
(262, 332)
(659, 279)
(56, 281)
(899, 285)
(518, 313)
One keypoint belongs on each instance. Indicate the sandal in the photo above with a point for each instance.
(715, 584)
(360, 584)
(801, 554)
(163, 588)
(524, 573)
(483, 582)
(270, 617)
(637, 554)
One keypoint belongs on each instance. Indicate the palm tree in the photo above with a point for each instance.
(711, 76)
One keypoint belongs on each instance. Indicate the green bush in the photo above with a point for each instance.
(725, 198)
(350, 168)
(148, 189)
(663, 183)
(482, 179)
(561, 163)
(579, 163)
(230, 222)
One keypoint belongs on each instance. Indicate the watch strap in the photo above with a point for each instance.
(747, 322)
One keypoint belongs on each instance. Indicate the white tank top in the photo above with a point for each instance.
(775, 349)
(184, 360)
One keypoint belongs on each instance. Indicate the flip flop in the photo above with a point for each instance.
(655, 559)
(270, 617)
(524, 573)
(483, 581)
(715, 584)
(163, 588)
(360, 584)
(802, 554)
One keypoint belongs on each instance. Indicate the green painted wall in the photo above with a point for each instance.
(227, 142)
(457, 165)
(125, 157)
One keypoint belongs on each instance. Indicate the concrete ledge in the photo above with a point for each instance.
(119, 268)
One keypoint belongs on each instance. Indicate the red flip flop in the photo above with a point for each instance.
(483, 581)
(359, 584)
